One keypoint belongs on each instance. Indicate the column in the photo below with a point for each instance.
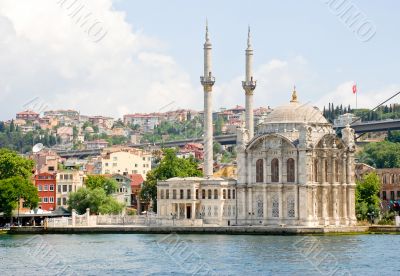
(185, 210)
(265, 205)
(193, 210)
(344, 203)
(315, 205)
(335, 204)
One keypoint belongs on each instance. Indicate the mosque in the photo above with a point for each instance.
(294, 171)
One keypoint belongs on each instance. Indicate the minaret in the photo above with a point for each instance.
(207, 80)
(249, 85)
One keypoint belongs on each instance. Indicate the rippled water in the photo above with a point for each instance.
(134, 254)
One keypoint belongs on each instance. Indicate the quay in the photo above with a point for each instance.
(232, 230)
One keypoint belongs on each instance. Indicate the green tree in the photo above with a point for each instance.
(95, 199)
(15, 182)
(109, 185)
(381, 154)
(367, 199)
(170, 166)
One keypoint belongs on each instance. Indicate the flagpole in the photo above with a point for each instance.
(356, 99)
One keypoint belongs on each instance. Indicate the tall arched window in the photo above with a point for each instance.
(290, 170)
(326, 170)
(315, 170)
(259, 171)
(275, 170)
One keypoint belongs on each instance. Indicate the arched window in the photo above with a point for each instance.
(290, 170)
(209, 194)
(259, 171)
(275, 170)
(326, 170)
(315, 170)
(215, 194)
(224, 194)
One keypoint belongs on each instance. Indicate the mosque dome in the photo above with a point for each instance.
(296, 112)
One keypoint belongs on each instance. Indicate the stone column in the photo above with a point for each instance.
(335, 204)
(250, 204)
(344, 203)
(193, 210)
(324, 204)
(333, 166)
(265, 205)
(314, 205)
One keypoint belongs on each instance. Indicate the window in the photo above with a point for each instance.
(326, 170)
(275, 170)
(39, 188)
(174, 194)
(223, 194)
(181, 194)
(46, 188)
(215, 194)
(197, 194)
(188, 193)
(45, 200)
(114, 164)
(58, 201)
(106, 164)
(259, 171)
(40, 200)
(229, 193)
(203, 194)
(209, 194)
(65, 187)
(64, 201)
(51, 187)
(51, 199)
(51, 169)
(162, 194)
(61, 176)
(384, 195)
(398, 194)
(70, 188)
(233, 194)
(167, 194)
(115, 158)
(290, 170)
(391, 195)
(59, 188)
(315, 170)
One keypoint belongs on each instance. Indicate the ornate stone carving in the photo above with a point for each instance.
(348, 137)
(275, 206)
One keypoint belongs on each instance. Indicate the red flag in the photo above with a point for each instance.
(354, 88)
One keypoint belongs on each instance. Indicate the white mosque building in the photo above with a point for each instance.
(294, 171)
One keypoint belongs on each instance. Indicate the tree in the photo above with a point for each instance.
(98, 181)
(95, 199)
(15, 181)
(170, 166)
(367, 199)
(11, 164)
(381, 154)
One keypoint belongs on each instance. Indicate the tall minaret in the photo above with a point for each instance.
(207, 80)
(249, 85)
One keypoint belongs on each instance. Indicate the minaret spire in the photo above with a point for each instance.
(249, 85)
(207, 80)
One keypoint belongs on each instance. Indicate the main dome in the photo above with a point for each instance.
(295, 112)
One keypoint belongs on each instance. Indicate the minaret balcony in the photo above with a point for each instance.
(207, 81)
(249, 85)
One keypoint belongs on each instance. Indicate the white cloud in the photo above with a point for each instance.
(275, 80)
(343, 94)
(46, 53)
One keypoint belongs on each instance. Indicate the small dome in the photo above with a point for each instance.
(295, 112)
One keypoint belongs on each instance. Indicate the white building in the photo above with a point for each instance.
(67, 181)
(294, 171)
(125, 161)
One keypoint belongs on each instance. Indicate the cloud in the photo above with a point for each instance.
(275, 80)
(46, 53)
(343, 94)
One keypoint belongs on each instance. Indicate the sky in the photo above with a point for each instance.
(114, 57)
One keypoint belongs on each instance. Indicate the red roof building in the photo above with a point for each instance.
(46, 185)
(27, 115)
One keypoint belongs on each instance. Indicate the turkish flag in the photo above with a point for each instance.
(354, 88)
